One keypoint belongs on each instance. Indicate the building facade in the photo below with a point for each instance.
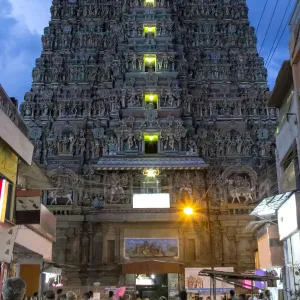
(25, 230)
(137, 109)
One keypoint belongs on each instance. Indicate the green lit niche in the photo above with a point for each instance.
(151, 143)
(150, 62)
(149, 31)
(151, 99)
(150, 3)
(148, 137)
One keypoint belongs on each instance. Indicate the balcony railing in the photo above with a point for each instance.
(11, 110)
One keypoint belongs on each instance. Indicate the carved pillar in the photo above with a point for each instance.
(122, 250)
(105, 229)
(224, 231)
(85, 245)
(181, 244)
(59, 253)
(91, 243)
(118, 245)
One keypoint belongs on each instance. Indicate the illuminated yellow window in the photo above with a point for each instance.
(149, 31)
(150, 62)
(152, 98)
(151, 143)
(150, 3)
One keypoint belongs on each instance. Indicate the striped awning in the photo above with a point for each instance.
(139, 163)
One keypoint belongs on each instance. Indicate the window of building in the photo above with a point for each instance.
(151, 143)
(150, 62)
(110, 251)
(149, 31)
(291, 171)
(151, 99)
(150, 3)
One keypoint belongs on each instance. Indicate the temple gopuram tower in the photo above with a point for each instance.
(137, 109)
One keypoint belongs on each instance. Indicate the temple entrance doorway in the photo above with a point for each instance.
(152, 286)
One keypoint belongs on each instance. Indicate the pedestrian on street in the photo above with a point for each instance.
(14, 289)
(233, 296)
(110, 295)
(183, 295)
(50, 295)
(86, 296)
(91, 295)
(268, 295)
(71, 295)
(58, 294)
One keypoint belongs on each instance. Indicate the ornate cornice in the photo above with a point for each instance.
(127, 163)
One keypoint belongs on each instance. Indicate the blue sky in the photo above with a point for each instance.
(22, 23)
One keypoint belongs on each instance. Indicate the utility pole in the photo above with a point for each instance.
(212, 250)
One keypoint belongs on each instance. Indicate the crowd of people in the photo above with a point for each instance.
(15, 289)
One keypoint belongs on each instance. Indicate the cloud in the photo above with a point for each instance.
(20, 44)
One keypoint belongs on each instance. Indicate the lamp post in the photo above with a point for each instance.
(189, 211)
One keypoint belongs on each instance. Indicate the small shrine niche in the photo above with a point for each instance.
(151, 143)
(150, 62)
(150, 3)
(150, 31)
(151, 99)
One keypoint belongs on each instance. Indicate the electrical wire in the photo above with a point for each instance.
(261, 17)
(277, 44)
(286, 10)
(268, 27)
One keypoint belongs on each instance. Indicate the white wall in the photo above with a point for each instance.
(288, 136)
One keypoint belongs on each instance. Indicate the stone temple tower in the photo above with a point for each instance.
(138, 108)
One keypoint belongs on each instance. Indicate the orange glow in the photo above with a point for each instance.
(188, 211)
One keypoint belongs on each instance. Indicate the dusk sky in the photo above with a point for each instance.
(22, 23)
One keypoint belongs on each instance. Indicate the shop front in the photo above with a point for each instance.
(153, 278)
(199, 286)
(289, 231)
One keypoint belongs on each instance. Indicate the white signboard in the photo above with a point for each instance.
(202, 284)
(288, 218)
(28, 203)
(151, 200)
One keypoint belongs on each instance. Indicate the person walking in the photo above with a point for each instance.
(110, 295)
(233, 296)
(71, 296)
(50, 295)
(91, 295)
(86, 296)
(14, 289)
(183, 295)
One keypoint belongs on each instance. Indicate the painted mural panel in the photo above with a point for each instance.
(138, 247)
(8, 163)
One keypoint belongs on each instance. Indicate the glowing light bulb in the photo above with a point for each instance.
(188, 211)
(151, 138)
(151, 97)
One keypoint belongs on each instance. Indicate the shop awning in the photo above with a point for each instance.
(152, 267)
(231, 276)
(34, 177)
(51, 269)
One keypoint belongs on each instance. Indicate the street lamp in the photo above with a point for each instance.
(188, 211)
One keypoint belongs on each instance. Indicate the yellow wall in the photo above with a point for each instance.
(31, 275)
(8, 162)
(9, 169)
